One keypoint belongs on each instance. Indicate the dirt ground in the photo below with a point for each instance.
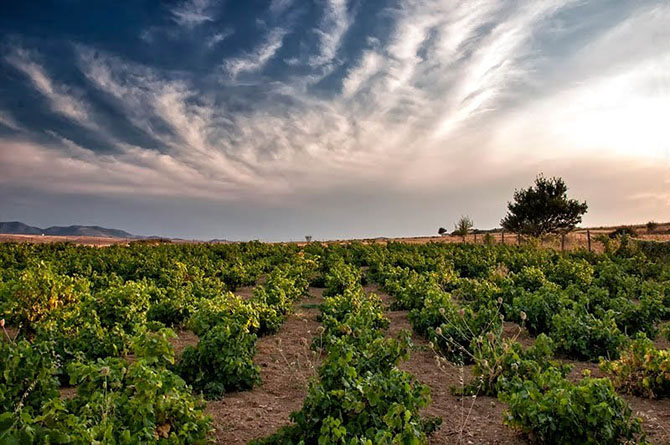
(287, 363)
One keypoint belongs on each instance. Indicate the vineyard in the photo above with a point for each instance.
(353, 343)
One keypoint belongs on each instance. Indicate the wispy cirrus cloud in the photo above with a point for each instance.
(259, 57)
(219, 37)
(191, 13)
(62, 99)
(334, 24)
(8, 121)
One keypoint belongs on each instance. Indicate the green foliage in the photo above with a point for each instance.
(583, 335)
(125, 305)
(117, 401)
(224, 309)
(340, 277)
(551, 410)
(222, 361)
(86, 313)
(543, 208)
(540, 307)
(27, 376)
(463, 226)
(454, 328)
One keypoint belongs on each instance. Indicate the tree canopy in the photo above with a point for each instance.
(543, 208)
(463, 226)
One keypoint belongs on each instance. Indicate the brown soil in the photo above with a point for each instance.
(287, 364)
(465, 420)
(245, 292)
(8, 333)
(516, 332)
(655, 415)
(184, 338)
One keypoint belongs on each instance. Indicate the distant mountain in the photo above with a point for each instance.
(18, 228)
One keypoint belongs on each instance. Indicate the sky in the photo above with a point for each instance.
(276, 119)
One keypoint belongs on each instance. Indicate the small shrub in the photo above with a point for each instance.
(549, 409)
(641, 370)
(540, 307)
(37, 292)
(583, 335)
(222, 361)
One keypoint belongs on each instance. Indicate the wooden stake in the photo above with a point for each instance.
(588, 239)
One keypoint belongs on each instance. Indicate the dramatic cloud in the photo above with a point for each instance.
(60, 98)
(429, 109)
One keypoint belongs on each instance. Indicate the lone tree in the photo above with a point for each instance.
(463, 226)
(442, 231)
(543, 208)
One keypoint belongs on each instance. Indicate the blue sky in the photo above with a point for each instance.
(336, 118)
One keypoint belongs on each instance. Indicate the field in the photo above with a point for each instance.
(357, 343)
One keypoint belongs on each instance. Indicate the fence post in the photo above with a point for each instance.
(518, 239)
(475, 237)
(562, 242)
(502, 232)
(588, 238)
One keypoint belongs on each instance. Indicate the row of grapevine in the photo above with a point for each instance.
(360, 396)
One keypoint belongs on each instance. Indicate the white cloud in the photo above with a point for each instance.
(368, 66)
(61, 98)
(219, 37)
(259, 57)
(192, 13)
(334, 25)
(8, 120)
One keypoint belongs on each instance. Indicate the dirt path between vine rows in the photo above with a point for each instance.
(287, 363)
(465, 420)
